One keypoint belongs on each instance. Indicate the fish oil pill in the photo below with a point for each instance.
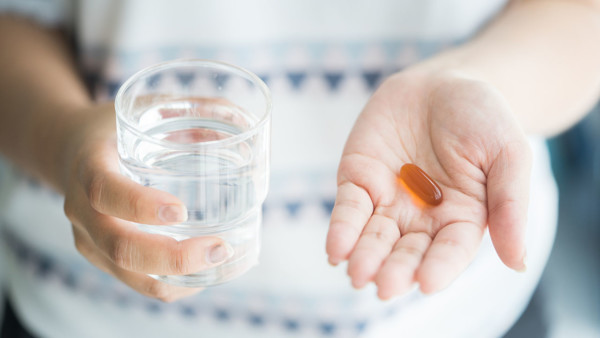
(420, 184)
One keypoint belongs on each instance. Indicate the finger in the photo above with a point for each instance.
(137, 281)
(116, 195)
(451, 251)
(113, 194)
(353, 208)
(396, 275)
(508, 198)
(373, 246)
(134, 250)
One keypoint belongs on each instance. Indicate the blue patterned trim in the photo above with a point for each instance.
(297, 78)
(100, 287)
(356, 61)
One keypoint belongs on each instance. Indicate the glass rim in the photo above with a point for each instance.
(202, 63)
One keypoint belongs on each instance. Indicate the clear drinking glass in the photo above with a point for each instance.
(200, 130)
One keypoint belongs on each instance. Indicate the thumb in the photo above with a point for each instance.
(508, 199)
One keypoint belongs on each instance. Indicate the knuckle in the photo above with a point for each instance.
(120, 254)
(81, 245)
(506, 204)
(94, 191)
(410, 251)
(135, 205)
(160, 291)
(379, 236)
(181, 262)
(382, 235)
(352, 203)
(458, 248)
(81, 248)
(69, 209)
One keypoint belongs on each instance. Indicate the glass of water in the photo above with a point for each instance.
(200, 130)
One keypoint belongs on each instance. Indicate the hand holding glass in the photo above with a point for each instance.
(200, 130)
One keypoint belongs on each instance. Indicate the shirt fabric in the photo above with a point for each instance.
(321, 60)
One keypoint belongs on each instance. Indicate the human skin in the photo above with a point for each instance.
(461, 116)
(50, 127)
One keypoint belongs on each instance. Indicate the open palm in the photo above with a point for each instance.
(462, 133)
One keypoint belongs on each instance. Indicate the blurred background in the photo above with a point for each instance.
(567, 301)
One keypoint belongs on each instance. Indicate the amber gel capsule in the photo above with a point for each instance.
(420, 184)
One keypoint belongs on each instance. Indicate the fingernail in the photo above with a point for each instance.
(172, 213)
(219, 253)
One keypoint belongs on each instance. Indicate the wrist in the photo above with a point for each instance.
(40, 142)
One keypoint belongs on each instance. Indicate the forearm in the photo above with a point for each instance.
(40, 97)
(543, 56)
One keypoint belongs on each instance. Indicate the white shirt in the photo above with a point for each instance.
(321, 61)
